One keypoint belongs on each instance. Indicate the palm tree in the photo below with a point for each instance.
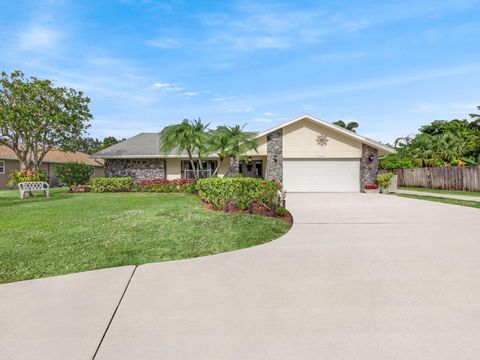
(231, 142)
(352, 125)
(189, 136)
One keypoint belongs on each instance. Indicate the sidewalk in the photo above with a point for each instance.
(447, 196)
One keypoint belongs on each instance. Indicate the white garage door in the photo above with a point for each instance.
(321, 175)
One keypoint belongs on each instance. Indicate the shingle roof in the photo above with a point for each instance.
(55, 156)
(142, 145)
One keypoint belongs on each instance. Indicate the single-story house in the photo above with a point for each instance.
(306, 154)
(9, 162)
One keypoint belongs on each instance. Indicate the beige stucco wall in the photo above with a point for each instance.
(299, 141)
(10, 165)
(262, 147)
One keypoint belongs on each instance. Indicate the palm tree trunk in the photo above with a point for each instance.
(190, 157)
(220, 162)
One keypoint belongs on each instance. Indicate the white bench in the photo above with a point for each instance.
(33, 186)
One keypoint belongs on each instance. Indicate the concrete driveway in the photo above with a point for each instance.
(357, 277)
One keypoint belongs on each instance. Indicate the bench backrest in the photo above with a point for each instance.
(32, 185)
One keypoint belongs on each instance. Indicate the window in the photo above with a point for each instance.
(2, 167)
(188, 172)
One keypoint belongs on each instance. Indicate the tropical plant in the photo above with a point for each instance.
(73, 173)
(189, 136)
(18, 176)
(230, 142)
(384, 180)
(36, 116)
(352, 125)
(243, 192)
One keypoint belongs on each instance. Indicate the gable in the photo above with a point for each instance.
(300, 141)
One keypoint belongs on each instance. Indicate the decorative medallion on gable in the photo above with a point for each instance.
(322, 140)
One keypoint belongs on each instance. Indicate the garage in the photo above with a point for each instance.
(321, 175)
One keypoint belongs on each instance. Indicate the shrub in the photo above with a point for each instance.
(385, 180)
(18, 176)
(111, 184)
(243, 192)
(73, 173)
(281, 211)
(167, 186)
(371, 186)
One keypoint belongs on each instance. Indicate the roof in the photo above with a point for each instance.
(339, 129)
(55, 156)
(147, 145)
(143, 145)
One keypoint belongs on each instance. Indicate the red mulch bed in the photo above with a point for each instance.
(256, 210)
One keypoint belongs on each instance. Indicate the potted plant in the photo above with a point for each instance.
(371, 189)
(385, 181)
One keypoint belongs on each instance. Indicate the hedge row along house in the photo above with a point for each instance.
(9, 163)
(306, 154)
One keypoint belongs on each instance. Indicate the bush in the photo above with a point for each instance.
(281, 211)
(394, 161)
(385, 180)
(167, 186)
(73, 173)
(243, 192)
(18, 176)
(111, 184)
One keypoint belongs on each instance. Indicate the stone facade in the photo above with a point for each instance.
(137, 169)
(274, 169)
(368, 167)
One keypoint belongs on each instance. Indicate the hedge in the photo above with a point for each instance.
(111, 184)
(220, 192)
(166, 186)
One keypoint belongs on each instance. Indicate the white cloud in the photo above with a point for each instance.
(39, 38)
(267, 113)
(190, 93)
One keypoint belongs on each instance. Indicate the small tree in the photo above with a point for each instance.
(231, 142)
(36, 116)
(189, 136)
(73, 173)
(352, 125)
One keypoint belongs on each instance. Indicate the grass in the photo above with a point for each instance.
(438, 191)
(473, 204)
(68, 233)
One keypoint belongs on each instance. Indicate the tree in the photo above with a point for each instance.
(352, 125)
(189, 136)
(231, 142)
(91, 145)
(36, 116)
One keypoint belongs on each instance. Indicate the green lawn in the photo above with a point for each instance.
(474, 204)
(76, 232)
(437, 191)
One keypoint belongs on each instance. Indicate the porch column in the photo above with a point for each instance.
(368, 166)
(274, 168)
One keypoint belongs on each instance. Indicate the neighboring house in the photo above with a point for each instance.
(9, 163)
(306, 154)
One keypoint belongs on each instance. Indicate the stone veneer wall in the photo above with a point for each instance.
(274, 169)
(368, 169)
(137, 169)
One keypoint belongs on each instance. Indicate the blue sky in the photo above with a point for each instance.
(389, 65)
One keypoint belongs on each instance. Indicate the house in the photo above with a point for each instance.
(9, 162)
(306, 154)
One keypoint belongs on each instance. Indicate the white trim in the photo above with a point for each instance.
(3, 167)
(333, 127)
